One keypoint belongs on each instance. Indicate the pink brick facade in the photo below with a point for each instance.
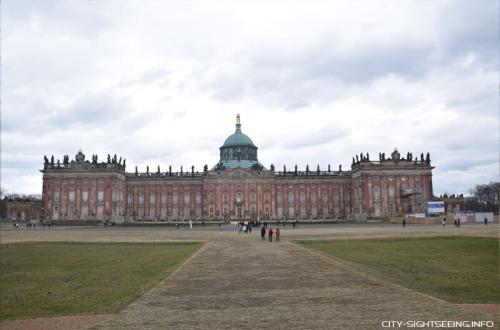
(81, 191)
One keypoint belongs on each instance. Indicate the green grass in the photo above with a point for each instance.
(455, 269)
(47, 279)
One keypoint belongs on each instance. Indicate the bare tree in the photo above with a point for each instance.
(488, 195)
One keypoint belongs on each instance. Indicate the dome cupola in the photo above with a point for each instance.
(238, 150)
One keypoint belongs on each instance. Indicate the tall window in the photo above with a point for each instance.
(130, 204)
(85, 208)
(152, 202)
(71, 204)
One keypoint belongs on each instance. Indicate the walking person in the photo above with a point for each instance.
(270, 234)
(444, 222)
(278, 233)
(458, 222)
(485, 221)
(404, 223)
(263, 233)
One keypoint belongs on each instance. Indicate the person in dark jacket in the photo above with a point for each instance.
(263, 233)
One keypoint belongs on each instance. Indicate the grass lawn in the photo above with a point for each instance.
(47, 279)
(455, 269)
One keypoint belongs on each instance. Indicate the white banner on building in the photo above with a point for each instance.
(435, 207)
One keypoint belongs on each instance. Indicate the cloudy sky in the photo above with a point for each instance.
(315, 82)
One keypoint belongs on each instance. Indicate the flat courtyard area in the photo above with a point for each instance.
(239, 281)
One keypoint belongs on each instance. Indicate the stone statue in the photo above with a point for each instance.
(383, 156)
(296, 172)
(428, 158)
(353, 161)
(357, 159)
(136, 171)
(284, 169)
(307, 169)
(205, 168)
(182, 170)
(422, 157)
(52, 160)
(58, 163)
(169, 169)
(318, 170)
(124, 161)
(192, 169)
(109, 159)
(328, 168)
(361, 157)
(147, 169)
(45, 160)
(120, 161)
(272, 167)
(158, 169)
(340, 168)
(367, 156)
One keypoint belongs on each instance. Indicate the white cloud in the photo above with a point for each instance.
(159, 83)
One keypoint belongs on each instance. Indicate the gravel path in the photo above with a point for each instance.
(242, 282)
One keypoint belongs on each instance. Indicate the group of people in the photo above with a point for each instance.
(245, 228)
(270, 233)
(30, 225)
(457, 222)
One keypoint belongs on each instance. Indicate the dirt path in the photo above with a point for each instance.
(241, 282)
(56, 323)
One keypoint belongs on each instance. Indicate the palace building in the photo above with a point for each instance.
(238, 187)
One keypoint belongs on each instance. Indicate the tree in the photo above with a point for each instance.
(487, 195)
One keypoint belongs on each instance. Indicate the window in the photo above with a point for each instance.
(225, 198)
(267, 197)
(211, 198)
(85, 196)
(252, 197)
(100, 196)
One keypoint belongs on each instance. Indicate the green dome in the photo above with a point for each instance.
(238, 139)
(238, 151)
